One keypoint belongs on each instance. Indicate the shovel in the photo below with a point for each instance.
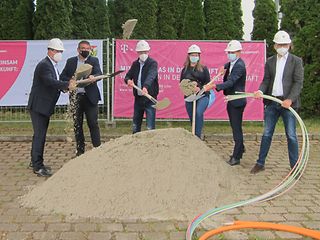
(87, 81)
(200, 94)
(159, 105)
(83, 71)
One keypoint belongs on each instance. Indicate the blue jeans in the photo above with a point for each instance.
(141, 105)
(201, 107)
(272, 112)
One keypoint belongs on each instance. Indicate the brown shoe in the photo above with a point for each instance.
(257, 168)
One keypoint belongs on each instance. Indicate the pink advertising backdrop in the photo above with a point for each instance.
(170, 55)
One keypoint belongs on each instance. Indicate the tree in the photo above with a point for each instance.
(52, 19)
(307, 46)
(166, 20)
(146, 13)
(296, 14)
(220, 24)
(113, 20)
(193, 21)
(81, 20)
(16, 19)
(100, 27)
(179, 9)
(301, 21)
(237, 19)
(265, 23)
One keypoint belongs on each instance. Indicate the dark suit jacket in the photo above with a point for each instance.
(149, 76)
(292, 79)
(92, 90)
(45, 89)
(234, 82)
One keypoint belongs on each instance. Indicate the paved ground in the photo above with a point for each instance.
(299, 207)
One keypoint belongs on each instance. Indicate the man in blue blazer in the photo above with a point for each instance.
(86, 99)
(43, 97)
(283, 79)
(143, 73)
(234, 80)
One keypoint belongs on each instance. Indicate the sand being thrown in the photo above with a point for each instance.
(161, 174)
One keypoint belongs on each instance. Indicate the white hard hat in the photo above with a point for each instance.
(233, 46)
(194, 49)
(282, 37)
(142, 46)
(56, 44)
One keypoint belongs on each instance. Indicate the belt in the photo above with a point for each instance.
(280, 97)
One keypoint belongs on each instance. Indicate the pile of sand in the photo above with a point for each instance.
(160, 174)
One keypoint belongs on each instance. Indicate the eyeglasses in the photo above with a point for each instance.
(58, 51)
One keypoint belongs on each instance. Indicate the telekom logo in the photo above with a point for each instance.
(124, 48)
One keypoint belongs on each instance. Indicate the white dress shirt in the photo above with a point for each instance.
(80, 62)
(55, 65)
(277, 89)
(139, 77)
(232, 64)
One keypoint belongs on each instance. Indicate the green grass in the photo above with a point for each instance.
(124, 127)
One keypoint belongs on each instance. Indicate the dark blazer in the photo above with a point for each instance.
(45, 89)
(292, 79)
(92, 90)
(202, 78)
(234, 82)
(149, 76)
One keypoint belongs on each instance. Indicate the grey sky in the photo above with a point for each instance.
(247, 7)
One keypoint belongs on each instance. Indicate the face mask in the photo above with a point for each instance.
(143, 57)
(84, 53)
(232, 56)
(57, 57)
(282, 51)
(194, 59)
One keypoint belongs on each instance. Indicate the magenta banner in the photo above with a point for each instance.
(170, 55)
(12, 56)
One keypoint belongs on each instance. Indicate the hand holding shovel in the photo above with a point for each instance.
(159, 105)
(200, 94)
(92, 79)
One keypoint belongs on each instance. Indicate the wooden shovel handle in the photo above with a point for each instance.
(152, 99)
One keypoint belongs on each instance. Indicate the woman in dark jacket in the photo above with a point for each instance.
(195, 71)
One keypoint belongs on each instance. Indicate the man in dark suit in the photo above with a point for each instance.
(86, 99)
(283, 79)
(234, 80)
(43, 97)
(143, 73)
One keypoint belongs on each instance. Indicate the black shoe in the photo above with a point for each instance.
(257, 168)
(46, 167)
(42, 172)
(233, 161)
(78, 153)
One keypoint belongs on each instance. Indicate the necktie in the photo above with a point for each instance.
(139, 79)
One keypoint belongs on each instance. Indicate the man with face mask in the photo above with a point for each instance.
(86, 99)
(283, 79)
(43, 97)
(144, 74)
(234, 80)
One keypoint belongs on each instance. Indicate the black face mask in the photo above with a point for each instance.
(84, 54)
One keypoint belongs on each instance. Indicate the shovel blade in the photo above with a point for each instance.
(193, 97)
(162, 104)
(83, 71)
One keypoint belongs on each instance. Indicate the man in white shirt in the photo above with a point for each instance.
(45, 91)
(283, 79)
(87, 98)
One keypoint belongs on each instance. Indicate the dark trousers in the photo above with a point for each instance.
(143, 105)
(40, 125)
(83, 107)
(235, 118)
